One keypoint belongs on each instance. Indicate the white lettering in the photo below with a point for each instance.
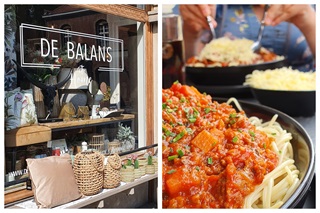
(85, 53)
(93, 53)
(79, 52)
(102, 53)
(70, 47)
(54, 48)
(42, 49)
(109, 57)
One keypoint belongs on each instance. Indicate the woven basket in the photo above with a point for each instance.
(150, 169)
(96, 142)
(112, 176)
(142, 161)
(88, 170)
(114, 147)
(127, 175)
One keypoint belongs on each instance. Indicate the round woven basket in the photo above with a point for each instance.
(88, 170)
(142, 161)
(112, 177)
(127, 175)
(114, 147)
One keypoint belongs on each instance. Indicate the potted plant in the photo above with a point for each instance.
(150, 168)
(127, 171)
(125, 135)
(137, 172)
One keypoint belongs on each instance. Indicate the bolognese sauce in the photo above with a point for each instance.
(213, 157)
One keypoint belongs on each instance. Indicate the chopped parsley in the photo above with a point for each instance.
(178, 137)
(172, 157)
(171, 171)
(180, 153)
(209, 161)
(235, 139)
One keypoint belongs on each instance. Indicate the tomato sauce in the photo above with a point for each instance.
(213, 157)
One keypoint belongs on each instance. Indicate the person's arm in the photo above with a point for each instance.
(194, 22)
(301, 15)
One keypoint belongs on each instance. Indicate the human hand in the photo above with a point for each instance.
(301, 15)
(298, 14)
(194, 16)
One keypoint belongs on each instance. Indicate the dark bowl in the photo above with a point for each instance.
(303, 148)
(293, 103)
(234, 75)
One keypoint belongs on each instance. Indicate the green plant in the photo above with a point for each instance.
(136, 164)
(150, 159)
(125, 133)
(129, 161)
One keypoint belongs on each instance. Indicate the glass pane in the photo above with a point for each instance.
(101, 52)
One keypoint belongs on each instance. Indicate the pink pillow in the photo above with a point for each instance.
(53, 181)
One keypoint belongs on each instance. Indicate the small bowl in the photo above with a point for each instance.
(293, 103)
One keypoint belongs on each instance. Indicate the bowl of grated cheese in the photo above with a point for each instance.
(290, 91)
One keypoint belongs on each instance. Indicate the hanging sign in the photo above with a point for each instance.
(64, 48)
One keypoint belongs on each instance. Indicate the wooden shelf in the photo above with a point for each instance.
(87, 200)
(43, 131)
(55, 126)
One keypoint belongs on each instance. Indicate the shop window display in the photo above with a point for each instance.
(101, 104)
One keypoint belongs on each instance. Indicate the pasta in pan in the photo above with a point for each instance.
(224, 52)
(216, 157)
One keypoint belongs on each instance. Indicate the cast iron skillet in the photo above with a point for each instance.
(302, 144)
(234, 75)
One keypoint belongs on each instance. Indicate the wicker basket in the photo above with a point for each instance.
(88, 171)
(112, 176)
(96, 142)
(142, 161)
(127, 174)
(114, 147)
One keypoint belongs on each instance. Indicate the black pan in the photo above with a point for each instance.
(293, 103)
(222, 76)
(303, 147)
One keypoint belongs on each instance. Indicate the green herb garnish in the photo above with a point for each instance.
(235, 139)
(172, 157)
(171, 171)
(180, 153)
(209, 161)
(178, 137)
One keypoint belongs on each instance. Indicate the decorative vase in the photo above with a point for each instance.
(150, 169)
(127, 174)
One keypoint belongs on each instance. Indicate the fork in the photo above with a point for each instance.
(257, 44)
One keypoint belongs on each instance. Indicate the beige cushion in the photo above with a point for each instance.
(53, 181)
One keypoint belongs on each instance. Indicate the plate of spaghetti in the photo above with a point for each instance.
(226, 62)
(231, 154)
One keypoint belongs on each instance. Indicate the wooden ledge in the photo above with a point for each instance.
(27, 135)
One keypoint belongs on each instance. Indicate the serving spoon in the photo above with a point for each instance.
(257, 44)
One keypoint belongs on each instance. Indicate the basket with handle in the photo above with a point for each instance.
(88, 170)
(112, 176)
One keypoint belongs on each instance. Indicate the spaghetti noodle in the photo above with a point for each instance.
(216, 157)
